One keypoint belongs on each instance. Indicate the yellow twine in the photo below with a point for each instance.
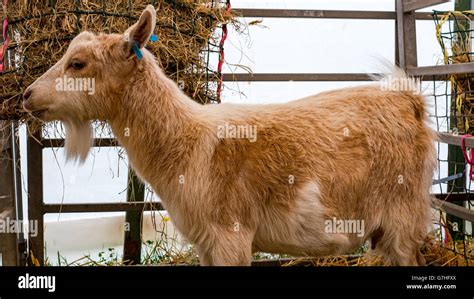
(442, 21)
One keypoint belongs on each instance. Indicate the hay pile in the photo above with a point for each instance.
(40, 32)
(453, 31)
(436, 254)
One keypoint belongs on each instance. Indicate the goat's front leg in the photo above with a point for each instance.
(227, 249)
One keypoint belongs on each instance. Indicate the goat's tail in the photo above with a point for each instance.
(397, 80)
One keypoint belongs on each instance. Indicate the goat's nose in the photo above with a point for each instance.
(27, 94)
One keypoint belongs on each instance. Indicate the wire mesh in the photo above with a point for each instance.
(452, 103)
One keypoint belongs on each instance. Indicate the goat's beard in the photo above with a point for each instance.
(78, 140)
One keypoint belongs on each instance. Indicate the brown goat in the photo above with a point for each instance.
(360, 155)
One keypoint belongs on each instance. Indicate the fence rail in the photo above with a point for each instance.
(437, 73)
(324, 14)
(453, 209)
(102, 207)
(268, 77)
(453, 139)
(412, 5)
(59, 142)
(442, 70)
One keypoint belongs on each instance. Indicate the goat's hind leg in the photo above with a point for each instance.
(228, 249)
(403, 228)
(400, 245)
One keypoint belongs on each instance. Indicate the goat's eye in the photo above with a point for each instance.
(77, 65)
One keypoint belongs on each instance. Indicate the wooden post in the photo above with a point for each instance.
(133, 221)
(21, 241)
(406, 36)
(35, 196)
(8, 240)
(397, 50)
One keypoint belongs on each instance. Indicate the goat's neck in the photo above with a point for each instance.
(157, 124)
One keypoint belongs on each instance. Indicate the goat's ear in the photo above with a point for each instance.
(140, 32)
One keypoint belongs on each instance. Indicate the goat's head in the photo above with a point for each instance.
(89, 80)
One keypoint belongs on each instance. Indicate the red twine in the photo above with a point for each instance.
(6, 40)
(221, 54)
(469, 160)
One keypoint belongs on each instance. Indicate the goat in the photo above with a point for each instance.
(361, 154)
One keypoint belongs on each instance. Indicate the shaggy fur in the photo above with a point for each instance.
(361, 153)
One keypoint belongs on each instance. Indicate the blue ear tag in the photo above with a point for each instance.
(137, 50)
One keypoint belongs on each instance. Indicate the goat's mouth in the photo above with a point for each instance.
(30, 108)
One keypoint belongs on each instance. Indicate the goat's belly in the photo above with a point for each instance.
(307, 238)
(299, 230)
(289, 245)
